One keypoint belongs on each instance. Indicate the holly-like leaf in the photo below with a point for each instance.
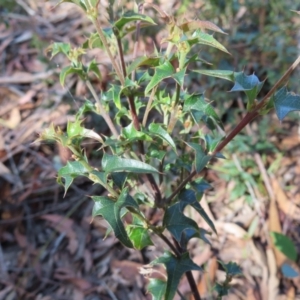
(201, 110)
(110, 210)
(285, 102)
(223, 74)
(56, 48)
(176, 267)
(113, 163)
(198, 24)
(88, 106)
(143, 61)
(285, 245)
(209, 40)
(139, 234)
(232, 269)
(70, 171)
(157, 288)
(93, 67)
(131, 134)
(157, 130)
(200, 185)
(131, 16)
(201, 159)
(249, 84)
(188, 197)
(74, 129)
(161, 72)
(176, 222)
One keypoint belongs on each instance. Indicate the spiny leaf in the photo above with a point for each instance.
(131, 16)
(161, 72)
(110, 210)
(197, 24)
(143, 61)
(139, 234)
(188, 197)
(176, 267)
(249, 84)
(223, 74)
(201, 110)
(70, 171)
(201, 159)
(157, 130)
(74, 129)
(285, 102)
(232, 269)
(113, 163)
(176, 222)
(131, 134)
(209, 40)
(157, 288)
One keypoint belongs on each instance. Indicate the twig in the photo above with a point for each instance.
(103, 113)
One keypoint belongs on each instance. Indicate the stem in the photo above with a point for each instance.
(103, 113)
(137, 35)
(106, 46)
(189, 275)
(240, 126)
(148, 107)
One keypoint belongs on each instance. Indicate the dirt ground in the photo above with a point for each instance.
(52, 249)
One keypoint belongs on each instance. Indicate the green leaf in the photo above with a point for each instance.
(285, 245)
(162, 72)
(201, 159)
(176, 222)
(157, 288)
(157, 130)
(192, 233)
(285, 102)
(248, 84)
(176, 267)
(98, 177)
(111, 211)
(71, 70)
(70, 171)
(113, 163)
(74, 129)
(115, 93)
(139, 235)
(179, 76)
(200, 185)
(223, 74)
(143, 61)
(93, 67)
(131, 16)
(232, 269)
(131, 134)
(209, 40)
(56, 48)
(201, 110)
(88, 106)
(188, 197)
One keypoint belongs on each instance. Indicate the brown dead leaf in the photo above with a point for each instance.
(63, 225)
(286, 205)
(14, 119)
(274, 225)
(289, 142)
(129, 270)
(273, 282)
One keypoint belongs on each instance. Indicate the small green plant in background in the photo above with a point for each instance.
(154, 162)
